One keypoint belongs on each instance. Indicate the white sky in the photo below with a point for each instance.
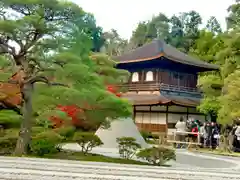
(124, 15)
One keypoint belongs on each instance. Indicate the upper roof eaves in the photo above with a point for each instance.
(158, 48)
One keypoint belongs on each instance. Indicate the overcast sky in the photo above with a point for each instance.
(124, 15)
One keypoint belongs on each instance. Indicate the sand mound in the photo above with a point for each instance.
(119, 128)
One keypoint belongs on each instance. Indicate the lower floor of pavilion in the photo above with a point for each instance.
(158, 113)
(163, 118)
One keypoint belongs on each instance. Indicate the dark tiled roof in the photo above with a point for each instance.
(158, 48)
(153, 99)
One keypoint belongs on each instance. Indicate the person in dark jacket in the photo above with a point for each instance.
(215, 136)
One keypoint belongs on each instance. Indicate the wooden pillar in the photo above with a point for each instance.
(150, 119)
(167, 120)
(142, 76)
(134, 113)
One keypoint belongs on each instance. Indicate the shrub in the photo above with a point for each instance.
(8, 141)
(127, 147)
(66, 132)
(37, 129)
(157, 155)
(45, 143)
(87, 141)
(10, 119)
(145, 134)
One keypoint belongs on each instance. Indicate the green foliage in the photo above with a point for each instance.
(5, 69)
(207, 46)
(114, 45)
(8, 140)
(127, 147)
(145, 134)
(221, 90)
(10, 119)
(67, 132)
(45, 143)
(230, 100)
(43, 119)
(233, 20)
(52, 45)
(87, 141)
(181, 30)
(213, 25)
(157, 156)
(37, 130)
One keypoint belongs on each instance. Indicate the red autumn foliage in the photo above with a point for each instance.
(74, 111)
(10, 92)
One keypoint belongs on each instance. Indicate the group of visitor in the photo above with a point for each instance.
(207, 133)
(210, 135)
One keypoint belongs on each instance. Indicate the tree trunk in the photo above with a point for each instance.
(25, 131)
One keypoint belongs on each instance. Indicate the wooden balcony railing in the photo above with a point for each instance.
(178, 88)
(158, 87)
(141, 87)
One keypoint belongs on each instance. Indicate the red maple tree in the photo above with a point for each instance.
(73, 111)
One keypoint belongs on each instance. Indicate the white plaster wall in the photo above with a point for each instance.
(135, 77)
(146, 118)
(173, 118)
(138, 118)
(153, 118)
(149, 76)
(162, 118)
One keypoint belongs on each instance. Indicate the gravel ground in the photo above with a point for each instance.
(44, 169)
(185, 159)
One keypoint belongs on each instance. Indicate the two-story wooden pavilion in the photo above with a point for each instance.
(163, 85)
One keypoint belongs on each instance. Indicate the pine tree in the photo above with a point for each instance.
(49, 72)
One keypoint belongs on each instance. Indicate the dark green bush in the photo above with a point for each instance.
(145, 134)
(8, 141)
(127, 147)
(87, 141)
(10, 119)
(148, 135)
(45, 143)
(157, 155)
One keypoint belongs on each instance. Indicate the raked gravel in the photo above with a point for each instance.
(46, 169)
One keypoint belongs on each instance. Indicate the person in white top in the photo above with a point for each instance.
(237, 132)
(237, 137)
(203, 135)
(181, 129)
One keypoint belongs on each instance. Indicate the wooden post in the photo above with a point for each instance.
(134, 113)
(167, 121)
(150, 118)
(198, 138)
